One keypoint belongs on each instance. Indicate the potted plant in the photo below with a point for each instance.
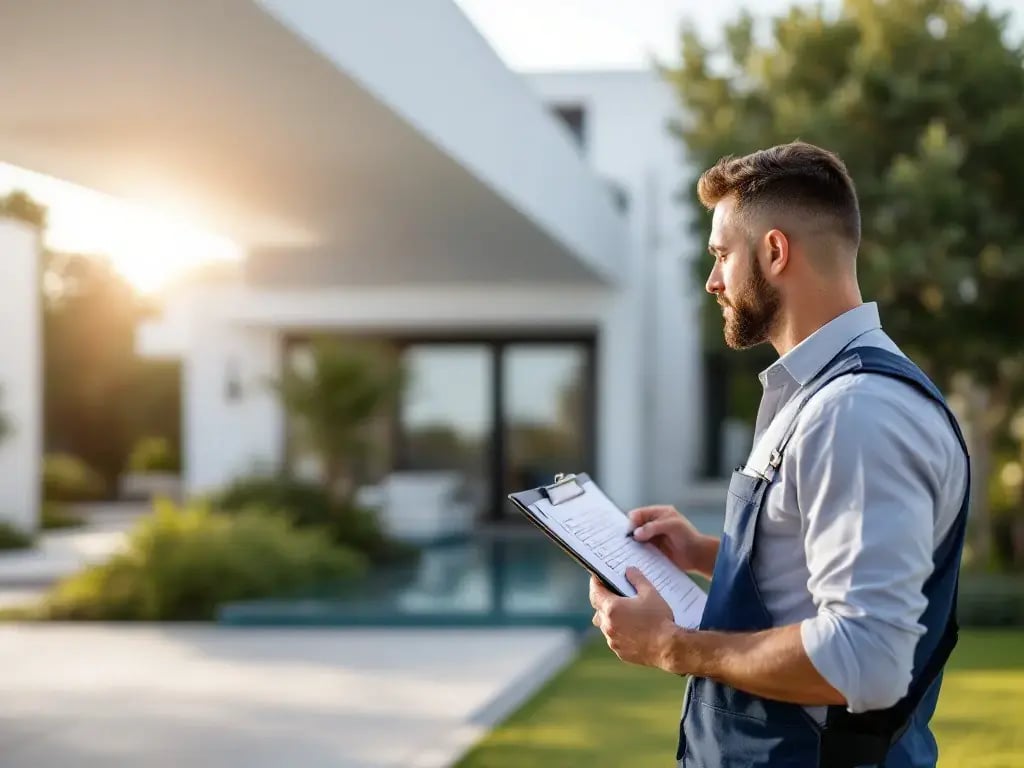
(153, 470)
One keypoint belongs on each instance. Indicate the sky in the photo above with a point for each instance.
(149, 248)
(529, 35)
(532, 35)
(540, 35)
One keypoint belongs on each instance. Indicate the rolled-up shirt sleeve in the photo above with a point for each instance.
(866, 489)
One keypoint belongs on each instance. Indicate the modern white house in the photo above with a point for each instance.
(21, 376)
(516, 239)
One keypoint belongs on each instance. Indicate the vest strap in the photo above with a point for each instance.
(849, 740)
(850, 365)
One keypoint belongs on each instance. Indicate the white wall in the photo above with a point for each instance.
(167, 335)
(21, 381)
(411, 308)
(649, 364)
(223, 439)
(427, 62)
(626, 139)
(226, 437)
(621, 451)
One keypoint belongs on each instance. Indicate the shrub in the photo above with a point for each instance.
(309, 504)
(991, 600)
(304, 503)
(180, 564)
(153, 454)
(68, 478)
(13, 538)
(359, 529)
(21, 612)
(334, 400)
(55, 515)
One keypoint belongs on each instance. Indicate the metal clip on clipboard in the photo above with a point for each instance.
(563, 489)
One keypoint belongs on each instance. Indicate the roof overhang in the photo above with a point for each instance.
(337, 141)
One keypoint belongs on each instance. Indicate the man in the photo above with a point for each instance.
(830, 612)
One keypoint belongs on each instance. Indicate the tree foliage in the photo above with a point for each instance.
(99, 398)
(333, 401)
(18, 205)
(924, 100)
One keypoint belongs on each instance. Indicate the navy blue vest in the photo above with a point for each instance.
(723, 727)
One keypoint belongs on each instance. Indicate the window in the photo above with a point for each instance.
(446, 414)
(505, 413)
(546, 412)
(574, 118)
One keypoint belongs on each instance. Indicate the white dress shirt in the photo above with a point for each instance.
(869, 485)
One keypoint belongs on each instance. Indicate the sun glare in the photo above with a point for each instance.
(150, 248)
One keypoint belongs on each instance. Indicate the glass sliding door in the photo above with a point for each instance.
(446, 414)
(502, 414)
(375, 458)
(547, 414)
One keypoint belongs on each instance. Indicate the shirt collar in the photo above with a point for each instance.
(803, 362)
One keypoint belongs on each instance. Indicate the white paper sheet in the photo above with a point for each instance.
(598, 531)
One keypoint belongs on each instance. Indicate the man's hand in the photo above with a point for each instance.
(638, 629)
(676, 537)
(771, 663)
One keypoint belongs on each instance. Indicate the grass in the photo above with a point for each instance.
(982, 702)
(600, 712)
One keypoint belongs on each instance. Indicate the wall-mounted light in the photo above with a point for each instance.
(232, 381)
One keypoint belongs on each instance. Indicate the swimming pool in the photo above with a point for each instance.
(508, 579)
(505, 577)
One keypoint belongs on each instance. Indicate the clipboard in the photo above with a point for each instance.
(575, 514)
(564, 488)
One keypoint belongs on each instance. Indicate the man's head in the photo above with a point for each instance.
(786, 226)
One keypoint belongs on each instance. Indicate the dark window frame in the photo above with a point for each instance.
(496, 343)
(573, 116)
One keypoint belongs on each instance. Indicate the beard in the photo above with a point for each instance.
(755, 308)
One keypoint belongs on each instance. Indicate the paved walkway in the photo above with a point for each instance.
(96, 696)
(25, 574)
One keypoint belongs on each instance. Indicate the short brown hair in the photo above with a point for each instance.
(797, 175)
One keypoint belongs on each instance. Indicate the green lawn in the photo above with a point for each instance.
(600, 713)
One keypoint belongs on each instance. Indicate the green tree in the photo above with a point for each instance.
(18, 205)
(99, 398)
(90, 315)
(333, 403)
(924, 100)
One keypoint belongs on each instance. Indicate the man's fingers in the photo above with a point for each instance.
(640, 582)
(643, 515)
(649, 530)
(649, 515)
(599, 594)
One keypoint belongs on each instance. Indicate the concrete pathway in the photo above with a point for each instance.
(25, 574)
(96, 696)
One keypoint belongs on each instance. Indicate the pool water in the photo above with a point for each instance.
(513, 579)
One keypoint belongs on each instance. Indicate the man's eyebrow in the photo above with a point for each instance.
(714, 250)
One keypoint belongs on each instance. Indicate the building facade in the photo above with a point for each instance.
(515, 239)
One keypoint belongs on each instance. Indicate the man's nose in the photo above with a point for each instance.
(714, 284)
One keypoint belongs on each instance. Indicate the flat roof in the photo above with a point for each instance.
(311, 134)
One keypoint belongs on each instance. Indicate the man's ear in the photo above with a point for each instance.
(778, 251)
